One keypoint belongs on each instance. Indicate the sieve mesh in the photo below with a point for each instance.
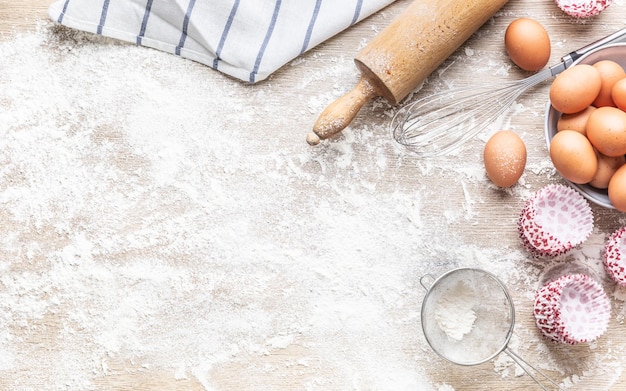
(468, 316)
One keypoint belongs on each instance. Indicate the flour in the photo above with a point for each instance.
(454, 312)
(151, 225)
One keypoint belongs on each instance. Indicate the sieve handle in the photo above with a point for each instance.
(527, 368)
(427, 281)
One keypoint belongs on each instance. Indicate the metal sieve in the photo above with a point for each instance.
(468, 318)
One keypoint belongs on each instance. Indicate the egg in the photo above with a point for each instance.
(610, 73)
(575, 88)
(606, 130)
(617, 189)
(527, 43)
(575, 121)
(505, 158)
(573, 156)
(607, 166)
(618, 94)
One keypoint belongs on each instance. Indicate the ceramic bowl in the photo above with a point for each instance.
(617, 53)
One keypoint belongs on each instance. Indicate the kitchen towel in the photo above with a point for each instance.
(246, 39)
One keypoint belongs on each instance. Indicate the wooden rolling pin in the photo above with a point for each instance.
(404, 54)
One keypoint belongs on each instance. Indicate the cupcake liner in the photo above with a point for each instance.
(555, 220)
(613, 256)
(572, 309)
(545, 311)
(583, 8)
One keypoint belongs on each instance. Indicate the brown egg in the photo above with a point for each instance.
(617, 189)
(575, 121)
(527, 44)
(610, 73)
(606, 130)
(607, 166)
(505, 158)
(575, 88)
(618, 94)
(573, 156)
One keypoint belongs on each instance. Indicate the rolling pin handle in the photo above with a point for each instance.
(338, 115)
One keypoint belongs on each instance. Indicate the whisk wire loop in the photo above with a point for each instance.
(440, 123)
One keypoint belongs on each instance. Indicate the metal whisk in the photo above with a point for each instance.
(438, 124)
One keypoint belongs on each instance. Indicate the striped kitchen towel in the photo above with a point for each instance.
(246, 39)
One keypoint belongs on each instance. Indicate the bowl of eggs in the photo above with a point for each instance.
(585, 125)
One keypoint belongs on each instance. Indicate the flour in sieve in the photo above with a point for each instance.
(454, 311)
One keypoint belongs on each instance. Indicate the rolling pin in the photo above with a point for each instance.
(404, 54)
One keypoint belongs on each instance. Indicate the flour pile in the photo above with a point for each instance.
(455, 313)
(161, 219)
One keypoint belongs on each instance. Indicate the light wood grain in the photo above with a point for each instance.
(22, 15)
(16, 16)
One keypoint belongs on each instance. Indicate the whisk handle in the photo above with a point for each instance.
(341, 112)
(616, 37)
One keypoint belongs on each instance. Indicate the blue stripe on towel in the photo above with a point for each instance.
(357, 12)
(62, 14)
(183, 36)
(103, 16)
(268, 35)
(144, 22)
(229, 23)
(309, 31)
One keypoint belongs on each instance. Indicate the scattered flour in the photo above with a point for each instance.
(152, 225)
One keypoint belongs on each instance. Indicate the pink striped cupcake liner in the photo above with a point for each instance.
(583, 8)
(572, 309)
(614, 256)
(554, 221)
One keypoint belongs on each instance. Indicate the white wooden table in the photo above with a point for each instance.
(458, 215)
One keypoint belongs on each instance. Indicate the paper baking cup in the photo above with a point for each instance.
(572, 309)
(555, 220)
(613, 256)
(583, 8)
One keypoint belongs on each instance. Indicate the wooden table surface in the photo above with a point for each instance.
(488, 222)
